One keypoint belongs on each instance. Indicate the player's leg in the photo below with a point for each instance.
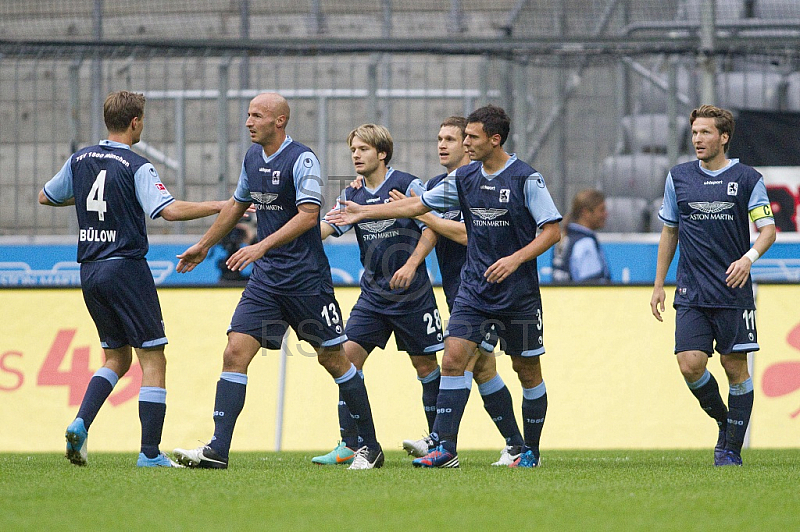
(450, 404)
(694, 336)
(153, 407)
(534, 407)
(498, 404)
(521, 337)
(348, 428)
(365, 330)
(353, 392)
(323, 330)
(740, 404)
(419, 333)
(102, 383)
(257, 322)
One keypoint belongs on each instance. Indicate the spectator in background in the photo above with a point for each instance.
(579, 257)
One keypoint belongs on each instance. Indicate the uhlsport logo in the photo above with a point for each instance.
(711, 210)
(263, 201)
(486, 217)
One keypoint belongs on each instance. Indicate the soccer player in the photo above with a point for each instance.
(708, 206)
(579, 257)
(503, 201)
(396, 293)
(451, 254)
(290, 284)
(113, 189)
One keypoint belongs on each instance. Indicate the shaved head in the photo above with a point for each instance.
(274, 103)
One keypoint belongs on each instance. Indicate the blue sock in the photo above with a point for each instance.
(449, 410)
(98, 390)
(534, 409)
(498, 404)
(740, 406)
(706, 390)
(152, 408)
(354, 393)
(231, 388)
(430, 391)
(348, 429)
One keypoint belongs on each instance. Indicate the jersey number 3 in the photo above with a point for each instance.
(95, 201)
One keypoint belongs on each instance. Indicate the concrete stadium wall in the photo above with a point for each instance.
(611, 377)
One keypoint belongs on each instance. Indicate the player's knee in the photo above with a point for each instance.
(424, 364)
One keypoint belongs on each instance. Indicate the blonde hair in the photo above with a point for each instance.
(376, 136)
(120, 108)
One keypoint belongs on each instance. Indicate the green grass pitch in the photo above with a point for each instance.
(574, 490)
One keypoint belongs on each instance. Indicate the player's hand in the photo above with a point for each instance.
(402, 277)
(657, 302)
(250, 211)
(245, 256)
(357, 183)
(191, 258)
(738, 272)
(500, 270)
(348, 213)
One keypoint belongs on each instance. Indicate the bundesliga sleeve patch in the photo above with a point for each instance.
(162, 189)
(760, 212)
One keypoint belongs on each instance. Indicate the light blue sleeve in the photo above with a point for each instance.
(242, 192)
(759, 198)
(153, 196)
(307, 179)
(443, 196)
(540, 203)
(669, 213)
(586, 261)
(419, 189)
(59, 188)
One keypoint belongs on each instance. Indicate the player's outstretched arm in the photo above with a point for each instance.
(191, 210)
(307, 217)
(452, 229)
(229, 216)
(500, 270)
(352, 213)
(667, 245)
(739, 270)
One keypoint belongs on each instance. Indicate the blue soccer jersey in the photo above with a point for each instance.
(386, 245)
(711, 210)
(450, 255)
(501, 213)
(104, 179)
(278, 186)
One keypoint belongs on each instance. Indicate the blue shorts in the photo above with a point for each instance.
(696, 329)
(416, 333)
(519, 335)
(266, 316)
(122, 300)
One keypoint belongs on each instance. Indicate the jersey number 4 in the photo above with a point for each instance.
(95, 201)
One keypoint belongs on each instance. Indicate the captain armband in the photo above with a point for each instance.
(758, 213)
